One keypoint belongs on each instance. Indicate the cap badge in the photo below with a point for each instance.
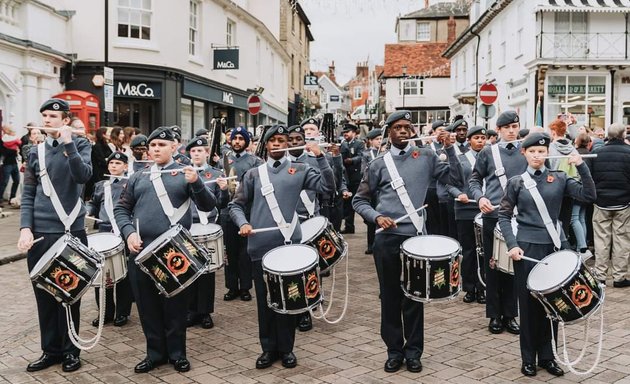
(541, 141)
(198, 142)
(516, 119)
(407, 116)
(163, 135)
(483, 131)
(55, 106)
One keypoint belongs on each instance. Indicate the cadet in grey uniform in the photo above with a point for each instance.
(276, 331)
(68, 167)
(535, 240)
(351, 152)
(139, 150)
(434, 216)
(374, 138)
(500, 294)
(105, 196)
(163, 319)
(402, 319)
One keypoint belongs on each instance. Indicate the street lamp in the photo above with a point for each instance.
(404, 75)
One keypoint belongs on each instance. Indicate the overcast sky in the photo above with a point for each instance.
(352, 31)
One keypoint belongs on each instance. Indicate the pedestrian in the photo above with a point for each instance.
(10, 151)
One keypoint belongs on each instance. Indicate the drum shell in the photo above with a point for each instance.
(330, 244)
(213, 244)
(114, 261)
(169, 278)
(478, 227)
(502, 261)
(68, 272)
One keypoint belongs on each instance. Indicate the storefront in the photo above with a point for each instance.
(622, 99)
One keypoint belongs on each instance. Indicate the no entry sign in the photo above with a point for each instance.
(254, 105)
(488, 93)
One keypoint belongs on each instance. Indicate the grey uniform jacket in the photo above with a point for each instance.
(221, 196)
(353, 150)
(96, 207)
(460, 177)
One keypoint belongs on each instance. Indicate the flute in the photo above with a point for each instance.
(469, 200)
(401, 218)
(565, 156)
(421, 138)
(220, 178)
(114, 176)
(55, 129)
(171, 170)
(323, 145)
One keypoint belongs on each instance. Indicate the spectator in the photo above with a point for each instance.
(116, 140)
(578, 212)
(100, 152)
(130, 133)
(10, 152)
(79, 127)
(33, 138)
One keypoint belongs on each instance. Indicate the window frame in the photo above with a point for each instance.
(126, 6)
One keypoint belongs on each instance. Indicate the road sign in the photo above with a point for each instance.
(488, 93)
(254, 104)
(109, 98)
(487, 111)
(108, 74)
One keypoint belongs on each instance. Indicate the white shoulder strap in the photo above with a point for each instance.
(310, 205)
(433, 147)
(498, 164)
(174, 215)
(203, 216)
(109, 206)
(554, 232)
(457, 150)
(399, 186)
(49, 190)
(471, 159)
(372, 154)
(268, 192)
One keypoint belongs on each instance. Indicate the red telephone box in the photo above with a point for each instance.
(85, 106)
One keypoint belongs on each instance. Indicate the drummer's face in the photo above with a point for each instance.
(509, 132)
(116, 167)
(477, 142)
(238, 143)
(277, 142)
(161, 151)
(311, 130)
(535, 156)
(199, 155)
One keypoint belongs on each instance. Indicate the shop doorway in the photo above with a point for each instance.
(135, 114)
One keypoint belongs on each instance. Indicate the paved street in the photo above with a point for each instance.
(458, 348)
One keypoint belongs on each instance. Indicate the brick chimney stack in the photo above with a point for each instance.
(331, 71)
(452, 30)
(426, 3)
(362, 70)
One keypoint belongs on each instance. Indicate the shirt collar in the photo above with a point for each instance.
(504, 144)
(50, 140)
(396, 152)
(270, 160)
(166, 165)
(531, 170)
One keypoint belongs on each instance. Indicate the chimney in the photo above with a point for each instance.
(452, 30)
(362, 70)
(426, 3)
(331, 71)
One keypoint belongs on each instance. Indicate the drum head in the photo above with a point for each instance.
(198, 229)
(101, 242)
(430, 246)
(166, 236)
(313, 227)
(290, 258)
(479, 220)
(49, 255)
(560, 266)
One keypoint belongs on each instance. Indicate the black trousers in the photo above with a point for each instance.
(535, 337)
(470, 261)
(201, 294)
(371, 233)
(402, 319)
(348, 210)
(238, 269)
(333, 211)
(53, 328)
(451, 230)
(276, 331)
(163, 319)
(500, 292)
(433, 219)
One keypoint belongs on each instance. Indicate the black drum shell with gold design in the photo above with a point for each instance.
(329, 244)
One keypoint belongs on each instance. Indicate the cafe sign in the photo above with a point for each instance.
(578, 89)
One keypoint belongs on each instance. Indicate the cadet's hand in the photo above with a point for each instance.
(25, 242)
(346, 195)
(65, 134)
(515, 253)
(216, 158)
(334, 149)
(313, 147)
(347, 161)
(385, 222)
(463, 198)
(190, 174)
(575, 158)
(222, 183)
(444, 138)
(485, 205)
(134, 243)
(245, 230)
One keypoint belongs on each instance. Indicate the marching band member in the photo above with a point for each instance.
(105, 197)
(351, 153)
(139, 150)
(147, 198)
(374, 139)
(406, 168)
(55, 173)
(276, 331)
(495, 165)
(202, 291)
(434, 216)
(536, 193)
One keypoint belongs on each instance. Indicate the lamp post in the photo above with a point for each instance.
(404, 75)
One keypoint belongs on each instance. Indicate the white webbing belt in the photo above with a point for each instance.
(457, 150)
(203, 216)
(109, 206)
(174, 215)
(49, 190)
(554, 232)
(398, 185)
(471, 159)
(498, 164)
(310, 205)
(267, 191)
(433, 147)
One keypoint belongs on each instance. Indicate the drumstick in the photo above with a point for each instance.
(144, 161)
(38, 239)
(533, 260)
(171, 170)
(323, 145)
(268, 229)
(94, 219)
(401, 218)
(220, 178)
(565, 156)
(138, 227)
(120, 177)
(469, 200)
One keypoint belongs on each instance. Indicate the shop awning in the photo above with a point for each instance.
(585, 6)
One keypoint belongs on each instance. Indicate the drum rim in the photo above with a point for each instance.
(319, 232)
(565, 280)
(430, 300)
(144, 254)
(44, 262)
(440, 257)
(212, 235)
(303, 269)
(118, 249)
(295, 311)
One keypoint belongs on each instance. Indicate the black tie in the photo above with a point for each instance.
(55, 143)
(115, 181)
(538, 172)
(401, 153)
(276, 164)
(510, 146)
(238, 155)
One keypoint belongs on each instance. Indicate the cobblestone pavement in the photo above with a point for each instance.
(458, 347)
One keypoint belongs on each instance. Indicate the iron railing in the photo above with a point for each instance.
(572, 45)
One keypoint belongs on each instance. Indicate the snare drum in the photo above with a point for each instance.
(173, 261)
(319, 233)
(67, 269)
(502, 261)
(112, 249)
(565, 287)
(478, 225)
(292, 278)
(430, 268)
(210, 236)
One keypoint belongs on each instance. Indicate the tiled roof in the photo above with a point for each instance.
(421, 59)
(440, 10)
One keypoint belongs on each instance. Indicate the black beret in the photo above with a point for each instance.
(398, 115)
(491, 132)
(138, 141)
(347, 127)
(476, 130)
(507, 118)
(118, 156)
(536, 138)
(177, 131)
(162, 133)
(201, 132)
(275, 130)
(197, 142)
(438, 123)
(55, 105)
(523, 132)
(456, 124)
(373, 134)
(296, 129)
(310, 120)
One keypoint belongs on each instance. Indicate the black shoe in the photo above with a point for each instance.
(369, 251)
(481, 297)
(621, 284)
(393, 365)
(414, 365)
(245, 295)
(305, 323)
(206, 322)
(147, 365)
(266, 360)
(95, 322)
(495, 326)
(121, 320)
(552, 367)
(528, 369)
(326, 273)
(70, 363)
(231, 295)
(45, 360)
(289, 360)
(192, 319)
(511, 325)
(470, 297)
(181, 365)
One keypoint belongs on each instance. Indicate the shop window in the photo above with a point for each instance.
(193, 29)
(582, 96)
(358, 91)
(193, 117)
(134, 19)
